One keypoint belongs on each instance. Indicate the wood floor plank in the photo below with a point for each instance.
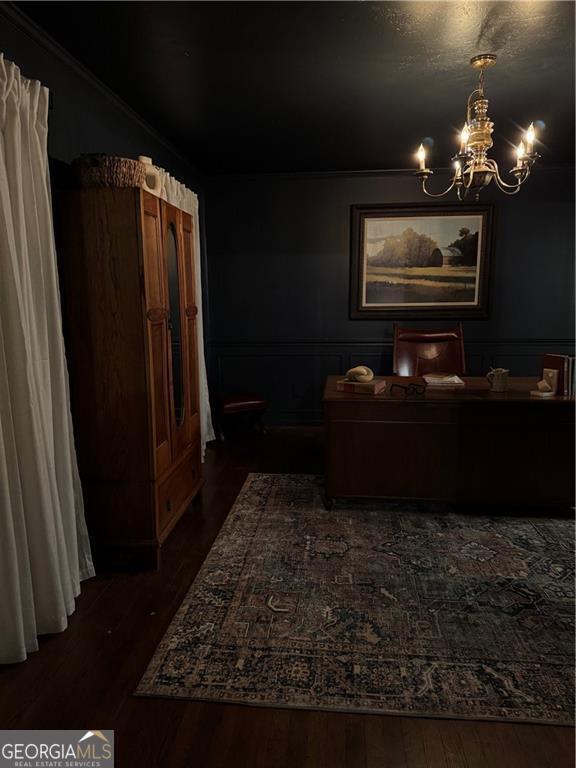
(471, 744)
(251, 731)
(538, 751)
(147, 734)
(178, 751)
(355, 742)
(203, 737)
(501, 747)
(333, 740)
(384, 742)
(297, 747)
(433, 745)
(561, 745)
(272, 740)
(450, 736)
(414, 745)
(316, 753)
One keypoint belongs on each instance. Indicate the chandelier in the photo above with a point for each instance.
(473, 169)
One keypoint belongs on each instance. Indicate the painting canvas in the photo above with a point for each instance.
(420, 261)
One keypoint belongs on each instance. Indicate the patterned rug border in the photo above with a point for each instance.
(424, 714)
(158, 656)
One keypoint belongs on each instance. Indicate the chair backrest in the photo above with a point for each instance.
(419, 352)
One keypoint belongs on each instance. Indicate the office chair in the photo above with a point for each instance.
(418, 352)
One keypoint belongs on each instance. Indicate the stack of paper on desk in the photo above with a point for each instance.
(446, 381)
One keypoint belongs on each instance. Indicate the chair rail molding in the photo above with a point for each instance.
(291, 373)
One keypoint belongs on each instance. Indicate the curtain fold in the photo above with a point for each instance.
(44, 546)
(179, 195)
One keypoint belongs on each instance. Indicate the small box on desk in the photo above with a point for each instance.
(374, 387)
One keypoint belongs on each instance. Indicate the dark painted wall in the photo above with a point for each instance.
(278, 256)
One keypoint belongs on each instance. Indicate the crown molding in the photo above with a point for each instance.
(346, 174)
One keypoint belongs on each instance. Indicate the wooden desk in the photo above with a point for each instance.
(468, 445)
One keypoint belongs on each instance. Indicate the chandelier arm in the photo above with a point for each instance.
(499, 184)
(441, 194)
(502, 185)
(470, 178)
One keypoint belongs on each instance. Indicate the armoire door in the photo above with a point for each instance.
(191, 314)
(178, 352)
(156, 303)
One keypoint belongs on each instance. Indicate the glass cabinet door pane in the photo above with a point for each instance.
(175, 326)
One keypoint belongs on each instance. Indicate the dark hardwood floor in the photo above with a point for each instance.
(84, 677)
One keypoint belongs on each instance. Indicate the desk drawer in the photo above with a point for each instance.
(392, 410)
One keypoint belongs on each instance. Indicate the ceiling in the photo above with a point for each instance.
(326, 86)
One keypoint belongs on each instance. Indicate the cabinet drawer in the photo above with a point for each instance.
(175, 493)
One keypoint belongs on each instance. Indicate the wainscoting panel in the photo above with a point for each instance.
(291, 375)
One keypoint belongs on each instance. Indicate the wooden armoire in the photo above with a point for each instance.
(127, 269)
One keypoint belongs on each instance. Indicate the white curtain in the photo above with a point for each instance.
(44, 547)
(177, 194)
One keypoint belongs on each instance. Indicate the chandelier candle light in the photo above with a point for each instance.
(473, 169)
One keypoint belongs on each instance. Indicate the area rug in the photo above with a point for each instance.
(375, 609)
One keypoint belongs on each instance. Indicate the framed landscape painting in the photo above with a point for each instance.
(420, 261)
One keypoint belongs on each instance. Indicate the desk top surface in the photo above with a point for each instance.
(476, 389)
